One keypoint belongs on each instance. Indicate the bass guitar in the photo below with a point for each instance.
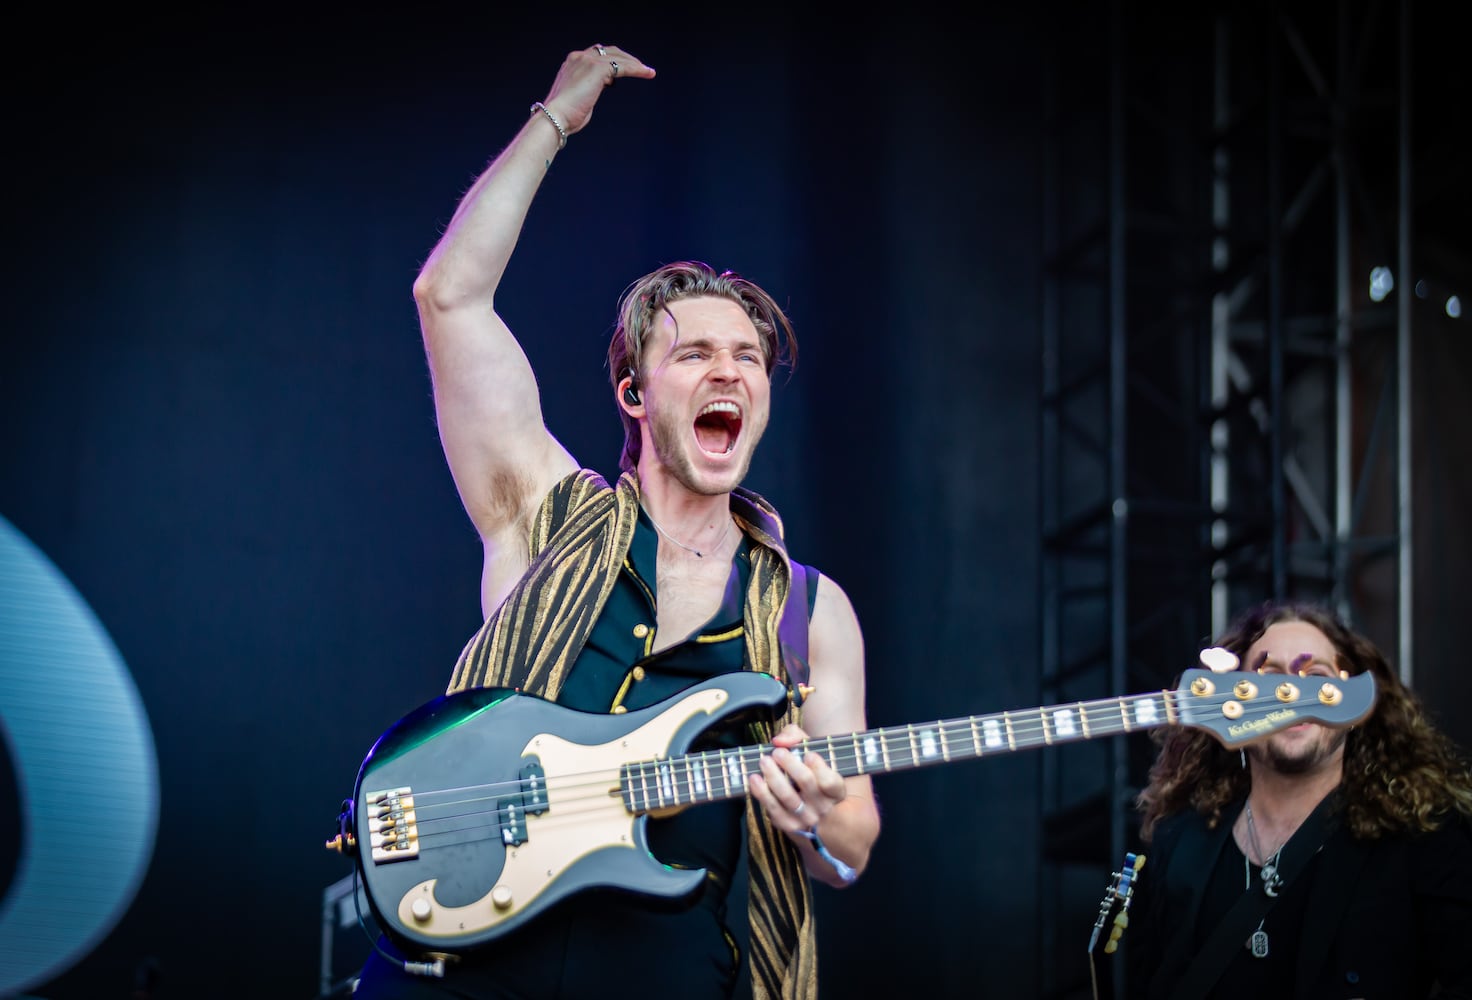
(482, 809)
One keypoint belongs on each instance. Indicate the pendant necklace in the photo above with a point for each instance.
(1258, 942)
(666, 534)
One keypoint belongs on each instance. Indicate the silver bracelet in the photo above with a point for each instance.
(846, 873)
(561, 132)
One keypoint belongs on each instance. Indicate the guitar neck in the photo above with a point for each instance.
(721, 774)
(902, 748)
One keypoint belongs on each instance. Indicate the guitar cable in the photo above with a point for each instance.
(435, 968)
(1122, 889)
(345, 842)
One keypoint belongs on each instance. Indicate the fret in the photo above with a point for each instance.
(720, 774)
(644, 786)
(692, 782)
(913, 744)
(715, 777)
(843, 759)
(903, 754)
(712, 775)
(823, 746)
(916, 741)
(975, 745)
(739, 769)
(1011, 738)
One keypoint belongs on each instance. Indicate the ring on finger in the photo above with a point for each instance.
(601, 50)
(800, 807)
(614, 64)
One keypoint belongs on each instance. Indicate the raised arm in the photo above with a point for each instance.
(500, 453)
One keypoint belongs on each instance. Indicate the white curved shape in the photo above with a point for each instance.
(86, 770)
(1219, 660)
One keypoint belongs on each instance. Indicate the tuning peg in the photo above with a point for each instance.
(1219, 660)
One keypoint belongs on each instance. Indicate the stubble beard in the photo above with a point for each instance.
(667, 435)
(1304, 759)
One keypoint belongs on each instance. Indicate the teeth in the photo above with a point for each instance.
(721, 407)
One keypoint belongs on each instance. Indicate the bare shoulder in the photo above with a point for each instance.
(836, 660)
(835, 624)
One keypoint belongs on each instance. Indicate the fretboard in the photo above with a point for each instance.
(713, 775)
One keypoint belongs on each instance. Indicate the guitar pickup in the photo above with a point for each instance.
(513, 822)
(511, 811)
(533, 788)
(393, 826)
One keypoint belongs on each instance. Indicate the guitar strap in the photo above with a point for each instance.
(1243, 918)
(792, 630)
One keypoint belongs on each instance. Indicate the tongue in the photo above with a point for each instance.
(713, 436)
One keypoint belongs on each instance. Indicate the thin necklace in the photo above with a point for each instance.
(687, 548)
(1270, 878)
(1257, 944)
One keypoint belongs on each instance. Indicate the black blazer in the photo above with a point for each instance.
(1385, 919)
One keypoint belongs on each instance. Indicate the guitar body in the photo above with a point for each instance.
(479, 810)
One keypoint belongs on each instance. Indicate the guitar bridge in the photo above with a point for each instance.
(393, 827)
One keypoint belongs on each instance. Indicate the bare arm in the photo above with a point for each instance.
(797, 794)
(500, 453)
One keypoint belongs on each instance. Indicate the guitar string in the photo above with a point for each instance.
(677, 789)
(841, 751)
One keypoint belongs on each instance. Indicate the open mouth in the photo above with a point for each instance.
(717, 427)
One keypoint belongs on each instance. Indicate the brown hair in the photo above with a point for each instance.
(643, 299)
(1400, 772)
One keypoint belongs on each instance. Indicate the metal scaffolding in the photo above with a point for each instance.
(1225, 408)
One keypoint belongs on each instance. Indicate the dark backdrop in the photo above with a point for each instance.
(219, 422)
